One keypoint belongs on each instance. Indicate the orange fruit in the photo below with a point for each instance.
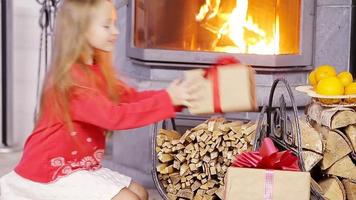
(330, 86)
(312, 78)
(351, 88)
(324, 71)
(345, 77)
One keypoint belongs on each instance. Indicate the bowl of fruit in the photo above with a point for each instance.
(330, 88)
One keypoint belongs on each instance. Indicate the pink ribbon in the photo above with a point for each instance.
(268, 195)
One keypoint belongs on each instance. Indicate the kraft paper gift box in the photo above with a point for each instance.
(262, 184)
(266, 174)
(227, 88)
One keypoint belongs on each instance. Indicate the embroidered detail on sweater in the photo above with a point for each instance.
(66, 167)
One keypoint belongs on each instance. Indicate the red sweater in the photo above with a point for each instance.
(52, 151)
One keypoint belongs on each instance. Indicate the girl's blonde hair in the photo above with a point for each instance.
(70, 47)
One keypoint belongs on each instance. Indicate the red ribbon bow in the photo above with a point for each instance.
(268, 157)
(213, 73)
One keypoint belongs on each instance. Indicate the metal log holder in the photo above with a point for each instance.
(274, 122)
(282, 127)
(171, 124)
(155, 161)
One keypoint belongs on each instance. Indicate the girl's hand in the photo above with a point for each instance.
(178, 92)
(196, 91)
(182, 92)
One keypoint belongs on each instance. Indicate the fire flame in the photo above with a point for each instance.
(235, 27)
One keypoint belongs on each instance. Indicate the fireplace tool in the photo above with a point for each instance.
(282, 127)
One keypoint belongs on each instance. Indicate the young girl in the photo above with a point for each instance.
(81, 100)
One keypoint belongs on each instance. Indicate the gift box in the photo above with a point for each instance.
(261, 184)
(229, 86)
(267, 174)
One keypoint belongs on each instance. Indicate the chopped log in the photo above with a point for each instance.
(235, 123)
(185, 193)
(165, 157)
(181, 157)
(323, 130)
(250, 129)
(184, 169)
(192, 137)
(171, 189)
(351, 134)
(333, 118)
(336, 148)
(167, 170)
(214, 155)
(198, 197)
(343, 168)
(203, 137)
(171, 196)
(193, 167)
(171, 134)
(220, 192)
(175, 142)
(316, 186)
(211, 191)
(343, 119)
(196, 185)
(201, 192)
(311, 159)
(311, 139)
(175, 178)
(333, 189)
(176, 164)
(202, 126)
(160, 167)
(189, 148)
(211, 125)
(350, 188)
(198, 160)
(160, 140)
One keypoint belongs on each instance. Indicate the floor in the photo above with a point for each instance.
(9, 160)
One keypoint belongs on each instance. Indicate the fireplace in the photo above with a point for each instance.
(154, 56)
(262, 33)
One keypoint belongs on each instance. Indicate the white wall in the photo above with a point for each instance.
(26, 34)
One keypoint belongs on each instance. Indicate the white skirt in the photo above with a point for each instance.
(102, 184)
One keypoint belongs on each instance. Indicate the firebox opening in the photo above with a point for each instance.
(264, 27)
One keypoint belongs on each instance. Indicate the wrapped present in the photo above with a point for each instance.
(229, 86)
(266, 174)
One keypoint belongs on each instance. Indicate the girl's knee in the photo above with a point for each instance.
(139, 190)
(126, 194)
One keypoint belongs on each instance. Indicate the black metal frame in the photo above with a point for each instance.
(4, 62)
(282, 127)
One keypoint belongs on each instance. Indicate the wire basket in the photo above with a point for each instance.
(282, 127)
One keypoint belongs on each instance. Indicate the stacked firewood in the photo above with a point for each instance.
(329, 149)
(193, 165)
